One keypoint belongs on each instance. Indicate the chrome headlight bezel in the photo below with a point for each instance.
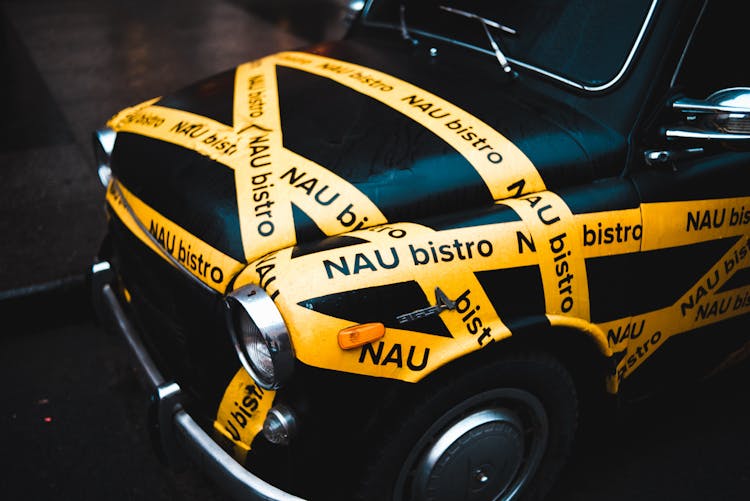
(253, 319)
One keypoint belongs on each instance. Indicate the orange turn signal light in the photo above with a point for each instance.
(359, 335)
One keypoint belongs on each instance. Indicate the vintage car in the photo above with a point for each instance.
(406, 264)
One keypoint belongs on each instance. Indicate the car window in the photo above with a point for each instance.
(586, 41)
(714, 57)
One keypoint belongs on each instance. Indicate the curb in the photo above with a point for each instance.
(20, 293)
(42, 306)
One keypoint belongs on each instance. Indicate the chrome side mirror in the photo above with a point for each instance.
(722, 116)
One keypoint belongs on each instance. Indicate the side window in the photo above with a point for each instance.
(715, 58)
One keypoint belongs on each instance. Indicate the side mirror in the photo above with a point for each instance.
(723, 116)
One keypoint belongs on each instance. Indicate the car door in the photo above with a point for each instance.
(694, 271)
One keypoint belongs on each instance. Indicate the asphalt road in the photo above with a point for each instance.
(73, 421)
(68, 66)
(73, 413)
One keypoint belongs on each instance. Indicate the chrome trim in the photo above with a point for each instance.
(661, 157)
(722, 116)
(166, 401)
(168, 390)
(104, 143)
(101, 267)
(263, 313)
(687, 133)
(459, 429)
(505, 403)
(106, 138)
(559, 78)
(230, 475)
(104, 172)
(656, 157)
(192, 439)
(732, 97)
(285, 421)
(442, 302)
(153, 376)
(705, 106)
(115, 186)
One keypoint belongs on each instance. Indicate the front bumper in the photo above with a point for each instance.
(179, 434)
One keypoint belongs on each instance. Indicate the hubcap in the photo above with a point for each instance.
(479, 452)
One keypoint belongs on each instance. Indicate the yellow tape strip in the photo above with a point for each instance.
(266, 220)
(554, 236)
(672, 224)
(253, 148)
(610, 233)
(331, 201)
(269, 178)
(241, 413)
(209, 265)
(701, 305)
(203, 135)
(397, 253)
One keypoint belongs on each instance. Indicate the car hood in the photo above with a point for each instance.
(303, 145)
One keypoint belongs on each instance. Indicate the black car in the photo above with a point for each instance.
(407, 263)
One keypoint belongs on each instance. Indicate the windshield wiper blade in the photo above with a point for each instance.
(485, 23)
(471, 15)
(404, 30)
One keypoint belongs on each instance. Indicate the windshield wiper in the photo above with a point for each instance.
(488, 22)
(404, 30)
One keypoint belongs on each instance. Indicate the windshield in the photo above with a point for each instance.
(586, 43)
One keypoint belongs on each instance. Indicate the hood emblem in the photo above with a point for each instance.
(442, 302)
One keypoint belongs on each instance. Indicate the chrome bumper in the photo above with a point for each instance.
(179, 433)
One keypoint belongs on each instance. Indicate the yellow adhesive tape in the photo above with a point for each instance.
(672, 224)
(203, 135)
(610, 233)
(241, 413)
(556, 239)
(399, 253)
(331, 201)
(266, 220)
(703, 304)
(207, 264)
(269, 178)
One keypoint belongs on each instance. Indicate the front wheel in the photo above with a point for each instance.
(499, 431)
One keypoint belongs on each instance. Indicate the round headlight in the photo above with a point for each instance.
(260, 336)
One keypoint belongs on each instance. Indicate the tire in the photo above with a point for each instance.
(500, 431)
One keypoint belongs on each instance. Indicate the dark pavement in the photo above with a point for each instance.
(72, 415)
(67, 67)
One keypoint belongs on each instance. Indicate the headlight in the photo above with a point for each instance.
(260, 336)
